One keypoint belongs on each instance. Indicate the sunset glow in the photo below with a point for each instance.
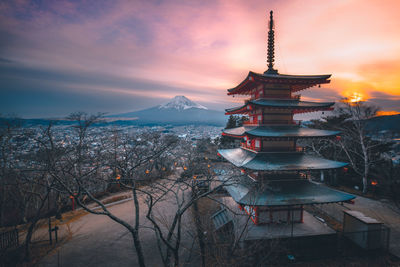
(387, 113)
(114, 56)
(356, 97)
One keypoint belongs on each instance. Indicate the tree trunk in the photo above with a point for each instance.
(365, 184)
(366, 164)
(135, 233)
(29, 237)
(138, 247)
(200, 231)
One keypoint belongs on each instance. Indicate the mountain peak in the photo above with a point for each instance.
(181, 102)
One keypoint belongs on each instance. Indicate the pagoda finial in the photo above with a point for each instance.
(271, 40)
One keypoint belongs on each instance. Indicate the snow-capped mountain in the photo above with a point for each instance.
(179, 110)
(181, 102)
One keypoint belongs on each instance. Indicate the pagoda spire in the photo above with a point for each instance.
(271, 46)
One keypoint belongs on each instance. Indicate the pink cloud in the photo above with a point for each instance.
(210, 45)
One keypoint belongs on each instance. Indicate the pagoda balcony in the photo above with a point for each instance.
(293, 97)
(272, 122)
(251, 147)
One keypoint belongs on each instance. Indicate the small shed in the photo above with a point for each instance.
(223, 224)
(365, 231)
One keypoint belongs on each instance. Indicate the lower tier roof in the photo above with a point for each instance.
(277, 161)
(279, 131)
(284, 193)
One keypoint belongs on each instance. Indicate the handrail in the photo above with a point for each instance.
(273, 122)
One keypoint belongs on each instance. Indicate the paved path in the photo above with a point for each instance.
(99, 241)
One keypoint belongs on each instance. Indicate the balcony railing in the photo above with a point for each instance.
(272, 122)
(244, 145)
(293, 97)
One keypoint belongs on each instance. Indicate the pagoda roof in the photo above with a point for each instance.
(291, 131)
(277, 161)
(297, 105)
(284, 193)
(295, 82)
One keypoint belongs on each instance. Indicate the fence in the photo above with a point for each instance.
(318, 247)
(377, 239)
(9, 239)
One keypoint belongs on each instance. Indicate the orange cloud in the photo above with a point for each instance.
(387, 113)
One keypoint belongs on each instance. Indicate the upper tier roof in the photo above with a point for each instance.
(279, 131)
(277, 161)
(282, 104)
(284, 193)
(295, 82)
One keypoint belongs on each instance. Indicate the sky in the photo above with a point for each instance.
(58, 57)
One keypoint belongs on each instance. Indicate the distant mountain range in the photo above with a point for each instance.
(182, 111)
(384, 123)
(178, 111)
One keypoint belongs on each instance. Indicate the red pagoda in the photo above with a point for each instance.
(275, 188)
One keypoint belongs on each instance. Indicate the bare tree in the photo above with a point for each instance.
(76, 169)
(355, 145)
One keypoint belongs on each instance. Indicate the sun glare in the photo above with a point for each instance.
(356, 97)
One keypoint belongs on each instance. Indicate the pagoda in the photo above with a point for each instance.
(276, 186)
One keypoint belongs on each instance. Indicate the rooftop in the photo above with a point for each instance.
(294, 82)
(283, 193)
(279, 131)
(277, 161)
(282, 104)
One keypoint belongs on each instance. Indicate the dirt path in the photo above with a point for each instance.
(98, 241)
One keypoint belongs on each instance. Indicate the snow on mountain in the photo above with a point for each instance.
(178, 111)
(181, 102)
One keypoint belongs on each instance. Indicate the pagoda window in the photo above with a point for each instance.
(277, 94)
(257, 143)
(278, 117)
(283, 214)
(278, 145)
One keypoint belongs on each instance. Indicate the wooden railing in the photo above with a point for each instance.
(272, 122)
(293, 97)
(244, 145)
(9, 239)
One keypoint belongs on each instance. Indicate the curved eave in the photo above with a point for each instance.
(295, 105)
(296, 82)
(285, 193)
(281, 161)
(237, 110)
(279, 132)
